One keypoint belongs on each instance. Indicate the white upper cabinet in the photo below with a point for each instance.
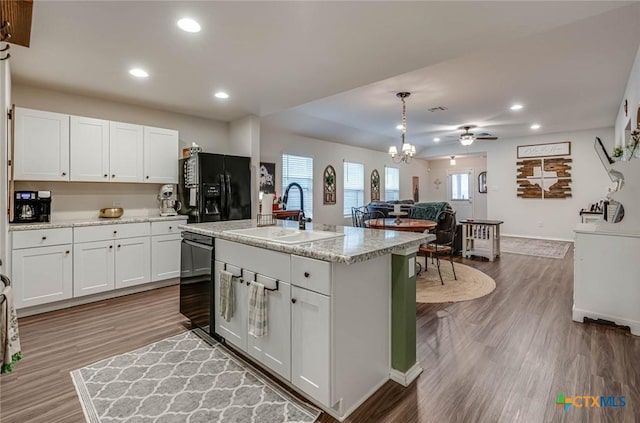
(41, 146)
(160, 155)
(126, 152)
(89, 149)
(57, 147)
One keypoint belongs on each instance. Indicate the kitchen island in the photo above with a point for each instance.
(341, 310)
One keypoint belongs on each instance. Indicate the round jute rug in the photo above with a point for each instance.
(471, 284)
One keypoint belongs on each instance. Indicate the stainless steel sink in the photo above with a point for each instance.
(284, 235)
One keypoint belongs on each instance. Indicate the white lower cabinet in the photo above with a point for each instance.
(274, 349)
(165, 257)
(133, 258)
(234, 330)
(310, 341)
(42, 275)
(93, 268)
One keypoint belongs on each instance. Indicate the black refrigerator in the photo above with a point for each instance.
(215, 187)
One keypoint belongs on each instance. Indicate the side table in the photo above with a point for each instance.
(481, 238)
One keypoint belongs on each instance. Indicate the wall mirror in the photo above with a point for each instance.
(482, 182)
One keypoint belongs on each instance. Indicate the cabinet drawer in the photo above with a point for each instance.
(311, 274)
(166, 228)
(42, 238)
(266, 262)
(103, 232)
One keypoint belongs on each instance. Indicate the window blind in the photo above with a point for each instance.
(391, 183)
(353, 186)
(298, 169)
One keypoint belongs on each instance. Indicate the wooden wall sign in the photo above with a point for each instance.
(544, 178)
(329, 190)
(375, 185)
(545, 150)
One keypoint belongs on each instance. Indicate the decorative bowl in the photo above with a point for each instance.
(111, 212)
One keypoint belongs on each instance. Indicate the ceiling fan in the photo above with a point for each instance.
(467, 138)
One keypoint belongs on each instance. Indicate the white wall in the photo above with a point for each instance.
(84, 199)
(439, 192)
(274, 144)
(5, 105)
(244, 140)
(544, 218)
(629, 196)
(211, 135)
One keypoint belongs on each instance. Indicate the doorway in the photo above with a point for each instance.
(460, 192)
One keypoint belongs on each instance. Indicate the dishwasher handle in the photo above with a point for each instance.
(195, 244)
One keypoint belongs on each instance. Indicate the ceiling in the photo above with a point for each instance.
(330, 70)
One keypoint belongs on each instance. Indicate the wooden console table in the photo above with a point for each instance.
(481, 238)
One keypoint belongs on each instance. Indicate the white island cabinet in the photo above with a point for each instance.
(329, 323)
(606, 274)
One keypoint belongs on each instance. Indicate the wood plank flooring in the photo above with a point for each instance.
(501, 358)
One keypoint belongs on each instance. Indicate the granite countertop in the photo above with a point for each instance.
(627, 229)
(90, 221)
(357, 245)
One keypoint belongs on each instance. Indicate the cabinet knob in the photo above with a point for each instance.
(118, 245)
(113, 176)
(106, 176)
(170, 227)
(64, 173)
(293, 300)
(66, 252)
(307, 274)
(111, 247)
(44, 237)
(115, 232)
(147, 177)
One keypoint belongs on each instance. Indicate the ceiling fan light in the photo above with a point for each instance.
(406, 148)
(466, 140)
(452, 162)
(393, 151)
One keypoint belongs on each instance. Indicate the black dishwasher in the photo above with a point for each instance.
(196, 280)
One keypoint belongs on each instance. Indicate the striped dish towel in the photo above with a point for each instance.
(258, 321)
(227, 298)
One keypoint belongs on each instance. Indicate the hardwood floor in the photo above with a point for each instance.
(501, 358)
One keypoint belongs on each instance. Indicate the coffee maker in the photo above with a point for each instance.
(31, 206)
(168, 206)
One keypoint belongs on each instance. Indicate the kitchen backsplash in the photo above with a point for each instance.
(72, 200)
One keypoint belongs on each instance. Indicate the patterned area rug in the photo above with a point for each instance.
(471, 284)
(534, 247)
(183, 379)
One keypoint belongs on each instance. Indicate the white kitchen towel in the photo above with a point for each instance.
(227, 298)
(258, 319)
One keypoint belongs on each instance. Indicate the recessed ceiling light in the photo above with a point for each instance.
(398, 127)
(189, 25)
(436, 139)
(517, 107)
(535, 126)
(139, 73)
(221, 95)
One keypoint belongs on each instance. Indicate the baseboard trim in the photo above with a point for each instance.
(406, 378)
(579, 315)
(547, 238)
(59, 305)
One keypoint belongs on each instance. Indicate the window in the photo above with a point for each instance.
(391, 183)
(353, 186)
(298, 169)
(459, 183)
